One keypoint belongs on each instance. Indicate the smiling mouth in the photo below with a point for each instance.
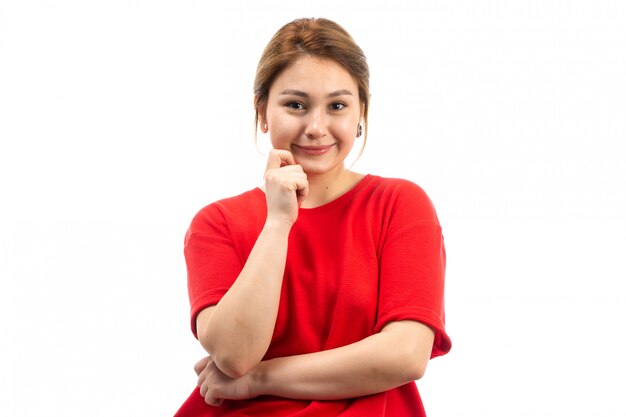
(313, 150)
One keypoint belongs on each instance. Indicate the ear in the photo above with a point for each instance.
(261, 116)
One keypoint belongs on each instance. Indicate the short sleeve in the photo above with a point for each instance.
(412, 268)
(212, 261)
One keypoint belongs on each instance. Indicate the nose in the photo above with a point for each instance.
(316, 124)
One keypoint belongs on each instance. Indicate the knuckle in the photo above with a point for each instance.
(270, 175)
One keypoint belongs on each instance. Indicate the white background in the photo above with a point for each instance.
(120, 119)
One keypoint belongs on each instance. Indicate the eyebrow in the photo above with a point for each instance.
(298, 93)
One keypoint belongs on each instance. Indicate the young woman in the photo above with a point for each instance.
(320, 294)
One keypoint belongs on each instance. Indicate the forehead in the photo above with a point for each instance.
(314, 75)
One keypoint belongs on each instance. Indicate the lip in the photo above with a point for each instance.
(314, 150)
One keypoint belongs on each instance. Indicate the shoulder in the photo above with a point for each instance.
(403, 196)
(398, 186)
(219, 213)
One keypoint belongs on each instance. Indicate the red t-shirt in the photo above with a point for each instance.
(372, 256)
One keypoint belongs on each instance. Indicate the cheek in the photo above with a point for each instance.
(345, 128)
(282, 131)
(282, 125)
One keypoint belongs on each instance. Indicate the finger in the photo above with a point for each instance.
(278, 158)
(201, 364)
(302, 193)
(215, 402)
(211, 400)
(201, 378)
(299, 184)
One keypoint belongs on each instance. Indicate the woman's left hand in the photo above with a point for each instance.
(215, 386)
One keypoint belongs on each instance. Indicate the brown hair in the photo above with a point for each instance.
(321, 38)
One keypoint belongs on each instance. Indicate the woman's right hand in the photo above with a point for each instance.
(286, 187)
(215, 386)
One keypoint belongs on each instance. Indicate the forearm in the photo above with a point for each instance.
(378, 363)
(240, 328)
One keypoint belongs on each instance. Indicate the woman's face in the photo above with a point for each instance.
(313, 111)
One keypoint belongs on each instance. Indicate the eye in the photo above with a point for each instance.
(337, 106)
(295, 105)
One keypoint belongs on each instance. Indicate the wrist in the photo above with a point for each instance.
(278, 224)
(258, 380)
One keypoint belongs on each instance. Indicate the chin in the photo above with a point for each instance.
(312, 169)
(317, 169)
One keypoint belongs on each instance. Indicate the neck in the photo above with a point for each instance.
(326, 187)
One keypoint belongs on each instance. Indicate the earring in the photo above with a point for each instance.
(359, 131)
(264, 128)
